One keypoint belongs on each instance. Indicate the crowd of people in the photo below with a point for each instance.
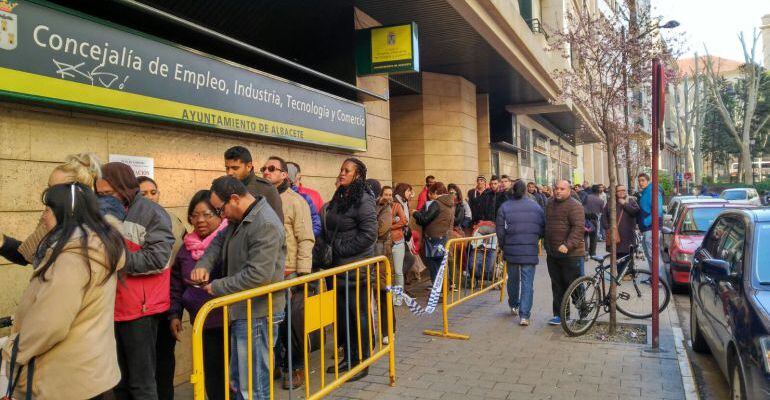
(113, 271)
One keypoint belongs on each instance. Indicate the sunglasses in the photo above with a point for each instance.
(270, 168)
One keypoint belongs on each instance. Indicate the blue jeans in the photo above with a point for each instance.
(239, 370)
(485, 263)
(524, 275)
(647, 247)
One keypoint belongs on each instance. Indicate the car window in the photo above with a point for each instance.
(734, 195)
(711, 242)
(672, 208)
(731, 247)
(696, 221)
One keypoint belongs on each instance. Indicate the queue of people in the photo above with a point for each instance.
(114, 271)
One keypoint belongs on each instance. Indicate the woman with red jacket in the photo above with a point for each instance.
(142, 297)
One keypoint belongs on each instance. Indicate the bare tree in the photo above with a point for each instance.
(604, 55)
(739, 122)
(688, 109)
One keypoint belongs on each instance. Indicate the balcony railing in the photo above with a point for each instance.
(536, 27)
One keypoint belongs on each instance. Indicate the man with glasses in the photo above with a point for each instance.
(298, 226)
(239, 165)
(253, 254)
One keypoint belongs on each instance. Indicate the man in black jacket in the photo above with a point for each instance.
(239, 165)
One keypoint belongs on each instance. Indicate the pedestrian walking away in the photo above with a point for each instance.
(564, 243)
(520, 225)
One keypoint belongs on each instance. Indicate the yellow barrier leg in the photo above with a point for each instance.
(504, 281)
(445, 312)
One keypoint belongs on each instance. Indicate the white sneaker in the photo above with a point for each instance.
(385, 340)
(524, 322)
(398, 301)
(514, 311)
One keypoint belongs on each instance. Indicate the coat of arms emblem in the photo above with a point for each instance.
(9, 36)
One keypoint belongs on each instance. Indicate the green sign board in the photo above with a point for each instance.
(56, 55)
(387, 50)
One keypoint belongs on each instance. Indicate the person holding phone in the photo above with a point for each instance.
(189, 295)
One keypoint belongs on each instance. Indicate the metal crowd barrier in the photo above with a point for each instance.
(320, 314)
(473, 261)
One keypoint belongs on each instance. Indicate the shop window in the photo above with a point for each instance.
(525, 146)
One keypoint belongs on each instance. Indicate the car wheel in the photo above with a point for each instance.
(737, 384)
(699, 344)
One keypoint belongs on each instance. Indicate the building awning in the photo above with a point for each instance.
(450, 44)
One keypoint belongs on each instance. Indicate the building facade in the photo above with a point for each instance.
(483, 102)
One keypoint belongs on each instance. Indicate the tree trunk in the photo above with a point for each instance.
(611, 159)
(698, 158)
(748, 172)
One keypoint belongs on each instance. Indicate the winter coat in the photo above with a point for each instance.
(404, 208)
(356, 230)
(626, 225)
(520, 225)
(260, 187)
(298, 226)
(539, 198)
(565, 225)
(644, 219)
(437, 219)
(187, 297)
(399, 222)
(314, 216)
(143, 287)
(253, 254)
(314, 196)
(66, 324)
(483, 207)
(593, 206)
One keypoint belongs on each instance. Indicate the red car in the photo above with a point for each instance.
(688, 230)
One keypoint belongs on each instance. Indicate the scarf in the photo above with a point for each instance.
(197, 246)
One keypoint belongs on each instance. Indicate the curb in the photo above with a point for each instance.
(685, 367)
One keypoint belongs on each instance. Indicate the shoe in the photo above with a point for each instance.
(360, 375)
(297, 379)
(524, 322)
(515, 311)
(385, 340)
(398, 301)
(342, 366)
(554, 321)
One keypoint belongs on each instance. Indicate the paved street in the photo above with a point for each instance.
(504, 361)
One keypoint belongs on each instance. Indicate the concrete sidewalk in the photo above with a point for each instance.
(505, 361)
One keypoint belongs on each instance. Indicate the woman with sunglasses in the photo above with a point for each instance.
(143, 292)
(186, 295)
(63, 334)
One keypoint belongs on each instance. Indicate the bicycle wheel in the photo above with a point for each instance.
(635, 295)
(581, 300)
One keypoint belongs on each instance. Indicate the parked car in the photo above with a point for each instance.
(742, 196)
(672, 214)
(730, 307)
(686, 234)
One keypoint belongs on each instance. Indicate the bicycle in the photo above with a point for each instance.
(588, 295)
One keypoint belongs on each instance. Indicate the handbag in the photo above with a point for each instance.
(14, 380)
(434, 247)
(323, 252)
(616, 232)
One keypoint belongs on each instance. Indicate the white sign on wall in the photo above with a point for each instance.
(142, 166)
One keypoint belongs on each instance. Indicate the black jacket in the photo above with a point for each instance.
(484, 207)
(356, 230)
(260, 187)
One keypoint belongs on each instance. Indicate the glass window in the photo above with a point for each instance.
(762, 263)
(734, 195)
(698, 220)
(526, 148)
(711, 242)
(731, 249)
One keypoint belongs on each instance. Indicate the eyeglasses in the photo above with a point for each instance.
(270, 168)
(206, 215)
(220, 210)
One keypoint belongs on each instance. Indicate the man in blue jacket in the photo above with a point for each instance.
(644, 219)
(520, 225)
